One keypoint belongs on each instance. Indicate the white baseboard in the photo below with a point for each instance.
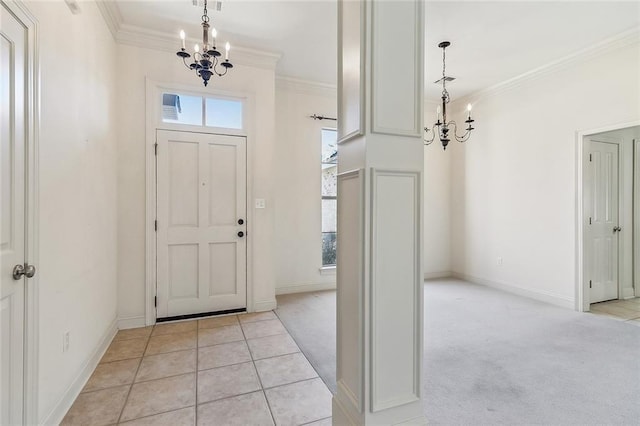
(541, 295)
(345, 416)
(131, 322)
(436, 275)
(303, 288)
(339, 413)
(417, 421)
(628, 293)
(60, 410)
(265, 305)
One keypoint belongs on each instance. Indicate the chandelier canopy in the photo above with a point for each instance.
(205, 63)
(443, 127)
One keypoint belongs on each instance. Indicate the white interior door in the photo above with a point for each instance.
(12, 211)
(604, 220)
(201, 211)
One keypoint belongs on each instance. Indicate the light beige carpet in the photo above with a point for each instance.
(493, 358)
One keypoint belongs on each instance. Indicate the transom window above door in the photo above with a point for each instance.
(207, 111)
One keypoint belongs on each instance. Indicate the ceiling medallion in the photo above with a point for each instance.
(443, 127)
(205, 63)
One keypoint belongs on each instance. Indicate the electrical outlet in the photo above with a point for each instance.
(65, 341)
(260, 203)
(499, 261)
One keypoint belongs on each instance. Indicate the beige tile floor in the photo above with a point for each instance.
(623, 310)
(233, 370)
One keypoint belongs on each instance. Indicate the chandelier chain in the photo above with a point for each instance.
(445, 93)
(205, 17)
(444, 62)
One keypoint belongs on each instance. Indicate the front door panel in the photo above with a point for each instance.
(201, 184)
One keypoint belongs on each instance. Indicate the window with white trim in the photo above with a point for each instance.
(329, 193)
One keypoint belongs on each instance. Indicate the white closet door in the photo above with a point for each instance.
(12, 216)
(603, 237)
(201, 211)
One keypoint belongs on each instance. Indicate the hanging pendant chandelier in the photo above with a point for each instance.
(442, 128)
(205, 63)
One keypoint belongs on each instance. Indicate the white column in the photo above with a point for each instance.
(380, 152)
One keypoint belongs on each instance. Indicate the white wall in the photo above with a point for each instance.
(437, 204)
(137, 63)
(78, 226)
(514, 184)
(298, 256)
(298, 238)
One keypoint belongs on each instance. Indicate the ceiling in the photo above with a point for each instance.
(491, 41)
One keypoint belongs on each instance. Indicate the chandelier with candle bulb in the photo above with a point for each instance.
(442, 128)
(206, 63)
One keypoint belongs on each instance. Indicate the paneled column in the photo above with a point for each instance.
(380, 165)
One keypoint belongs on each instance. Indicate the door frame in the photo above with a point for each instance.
(153, 123)
(582, 285)
(32, 119)
(636, 217)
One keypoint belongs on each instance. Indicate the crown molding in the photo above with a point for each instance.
(622, 40)
(308, 87)
(150, 39)
(111, 15)
(132, 35)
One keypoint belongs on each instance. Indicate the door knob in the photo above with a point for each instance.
(27, 270)
(30, 271)
(617, 229)
(240, 234)
(240, 221)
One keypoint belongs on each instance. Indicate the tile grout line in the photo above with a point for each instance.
(250, 392)
(264, 395)
(198, 369)
(294, 383)
(276, 356)
(214, 344)
(134, 377)
(144, 381)
(314, 421)
(156, 414)
(229, 397)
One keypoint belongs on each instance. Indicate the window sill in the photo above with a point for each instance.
(328, 270)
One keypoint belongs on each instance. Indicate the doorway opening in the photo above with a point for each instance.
(198, 182)
(609, 207)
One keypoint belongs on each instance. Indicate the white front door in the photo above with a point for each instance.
(12, 211)
(201, 230)
(603, 196)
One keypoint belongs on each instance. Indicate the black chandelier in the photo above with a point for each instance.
(205, 63)
(443, 127)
